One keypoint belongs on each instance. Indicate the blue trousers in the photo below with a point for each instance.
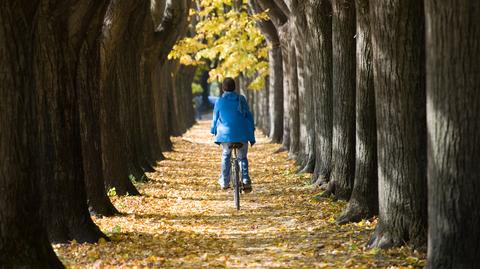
(242, 160)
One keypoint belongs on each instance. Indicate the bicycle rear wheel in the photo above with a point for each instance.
(236, 184)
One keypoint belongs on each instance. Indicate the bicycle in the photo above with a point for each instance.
(235, 174)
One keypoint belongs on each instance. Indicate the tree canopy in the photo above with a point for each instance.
(227, 40)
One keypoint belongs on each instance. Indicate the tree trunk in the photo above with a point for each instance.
(275, 94)
(173, 120)
(319, 51)
(343, 151)
(399, 72)
(275, 87)
(64, 206)
(294, 120)
(115, 158)
(364, 200)
(283, 33)
(23, 239)
(152, 139)
(88, 84)
(129, 58)
(278, 13)
(298, 21)
(264, 96)
(206, 91)
(184, 82)
(453, 113)
(305, 89)
(167, 23)
(161, 84)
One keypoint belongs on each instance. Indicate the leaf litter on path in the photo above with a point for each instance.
(183, 220)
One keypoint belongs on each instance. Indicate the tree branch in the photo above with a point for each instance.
(173, 24)
(267, 27)
(276, 14)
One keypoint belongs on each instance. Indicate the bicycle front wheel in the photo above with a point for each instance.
(236, 185)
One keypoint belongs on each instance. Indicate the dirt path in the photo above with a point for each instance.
(183, 220)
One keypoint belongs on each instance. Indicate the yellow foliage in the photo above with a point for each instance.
(228, 38)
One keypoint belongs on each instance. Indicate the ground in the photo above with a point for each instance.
(184, 220)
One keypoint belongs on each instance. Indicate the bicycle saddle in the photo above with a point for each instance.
(235, 145)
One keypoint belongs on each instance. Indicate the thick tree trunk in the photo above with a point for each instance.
(184, 86)
(150, 121)
(283, 34)
(173, 120)
(294, 120)
(453, 113)
(167, 23)
(264, 96)
(364, 200)
(129, 74)
(161, 84)
(305, 89)
(115, 157)
(275, 95)
(319, 56)
(276, 75)
(64, 206)
(343, 148)
(23, 239)
(88, 84)
(399, 71)
(206, 91)
(302, 102)
(279, 17)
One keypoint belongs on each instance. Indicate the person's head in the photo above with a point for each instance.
(228, 85)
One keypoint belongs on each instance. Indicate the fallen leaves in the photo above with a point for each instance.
(183, 220)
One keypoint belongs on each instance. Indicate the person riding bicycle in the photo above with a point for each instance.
(233, 123)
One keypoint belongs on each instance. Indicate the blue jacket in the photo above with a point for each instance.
(232, 119)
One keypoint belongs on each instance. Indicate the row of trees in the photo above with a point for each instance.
(379, 100)
(88, 103)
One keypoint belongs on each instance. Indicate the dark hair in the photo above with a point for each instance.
(228, 85)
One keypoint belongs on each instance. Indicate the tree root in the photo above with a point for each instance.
(383, 239)
(280, 150)
(354, 213)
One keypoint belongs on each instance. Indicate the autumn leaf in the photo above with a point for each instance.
(183, 220)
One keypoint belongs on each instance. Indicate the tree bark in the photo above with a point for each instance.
(115, 158)
(275, 94)
(294, 120)
(319, 56)
(343, 147)
(287, 69)
(364, 200)
(160, 84)
(298, 24)
(129, 74)
(305, 89)
(264, 96)
(453, 118)
(399, 72)
(173, 23)
(88, 84)
(275, 87)
(278, 13)
(206, 91)
(58, 40)
(23, 239)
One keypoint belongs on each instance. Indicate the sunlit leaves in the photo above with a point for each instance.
(228, 40)
(183, 220)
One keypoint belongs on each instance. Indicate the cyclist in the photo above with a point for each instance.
(233, 122)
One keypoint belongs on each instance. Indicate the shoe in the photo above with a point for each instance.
(247, 187)
(225, 188)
